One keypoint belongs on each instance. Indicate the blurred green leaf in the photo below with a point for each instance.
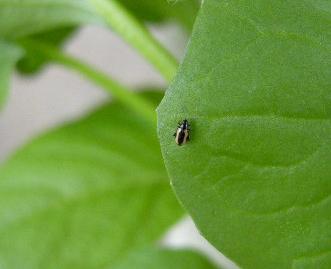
(33, 62)
(256, 87)
(183, 11)
(152, 258)
(85, 195)
(20, 18)
(9, 54)
(52, 21)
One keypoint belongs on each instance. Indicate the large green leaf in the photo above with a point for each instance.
(8, 57)
(256, 87)
(85, 195)
(152, 258)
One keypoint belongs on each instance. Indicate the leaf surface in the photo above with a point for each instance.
(255, 85)
(85, 195)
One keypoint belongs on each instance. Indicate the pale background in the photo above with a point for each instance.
(57, 95)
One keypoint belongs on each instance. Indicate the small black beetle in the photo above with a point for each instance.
(182, 134)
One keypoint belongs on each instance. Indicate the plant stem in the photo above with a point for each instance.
(127, 97)
(136, 34)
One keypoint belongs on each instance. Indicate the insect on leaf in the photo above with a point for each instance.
(255, 85)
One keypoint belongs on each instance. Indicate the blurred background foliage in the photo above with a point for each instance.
(93, 193)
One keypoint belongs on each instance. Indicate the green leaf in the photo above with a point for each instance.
(183, 11)
(33, 62)
(151, 258)
(8, 56)
(85, 195)
(152, 11)
(20, 18)
(256, 87)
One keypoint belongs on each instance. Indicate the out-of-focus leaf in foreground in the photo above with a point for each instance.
(256, 87)
(85, 195)
(152, 258)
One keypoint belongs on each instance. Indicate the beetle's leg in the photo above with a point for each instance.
(175, 134)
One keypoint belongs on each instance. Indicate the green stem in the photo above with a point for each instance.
(132, 100)
(137, 35)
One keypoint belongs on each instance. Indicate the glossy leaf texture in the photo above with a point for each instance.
(9, 54)
(255, 86)
(151, 258)
(85, 195)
